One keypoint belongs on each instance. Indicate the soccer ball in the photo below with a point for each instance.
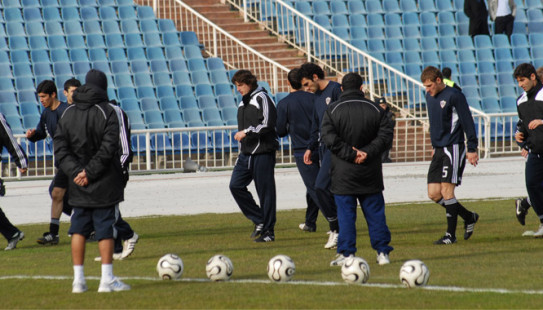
(219, 268)
(414, 273)
(355, 270)
(170, 267)
(281, 268)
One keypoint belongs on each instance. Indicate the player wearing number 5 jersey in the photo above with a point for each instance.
(450, 118)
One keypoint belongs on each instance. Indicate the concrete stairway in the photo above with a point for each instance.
(249, 33)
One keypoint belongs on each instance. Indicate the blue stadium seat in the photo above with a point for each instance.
(376, 33)
(534, 14)
(484, 55)
(391, 6)
(15, 29)
(92, 27)
(446, 30)
(356, 7)
(38, 43)
(15, 124)
(139, 66)
(133, 40)
(146, 92)
(188, 102)
(166, 26)
(393, 58)
(89, 13)
(203, 90)
(165, 91)
(54, 28)
(107, 13)
(487, 80)
(229, 115)
(6, 84)
(102, 66)
(471, 91)
(357, 20)
(535, 27)
(508, 104)
(519, 40)
(10, 109)
(42, 69)
(174, 52)
(30, 121)
(467, 68)
(123, 80)
(22, 70)
(393, 32)
(482, 42)
(411, 31)
(427, 6)
(428, 31)
(171, 39)
(79, 54)
(338, 8)
(181, 78)
(130, 26)
(111, 27)
(411, 44)
(148, 26)
(19, 56)
(192, 118)
(393, 45)
(158, 65)
(126, 93)
(321, 7)
(62, 68)
(145, 12)
(11, 4)
(428, 44)
(412, 57)
(136, 53)
(24, 83)
(428, 18)
(18, 43)
(9, 96)
(130, 105)
(521, 55)
(32, 14)
(13, 15)
(228, 101)
(408, 6)
(374, 7)
(35, 29)
(152, 39)
(449, 57)
(149, 104)
(304, 8)
(491, 105)
(127, 12)
(184, 90)
(464, 43)
(359, 33)
(430, 56)
(503, 55)
(340, 21)
(446, 43)
(29, 107)
(51, 14)
(162, 79)
(73, 27)
(143, 80)
(168, 103)
(504, 66)
(393, 19)
(218, 77)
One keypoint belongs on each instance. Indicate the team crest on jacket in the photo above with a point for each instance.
(328, 99)
(442, 103)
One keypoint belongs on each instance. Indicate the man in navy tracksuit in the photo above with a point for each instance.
(52, 112)
(256, 124)
(450, 118)
(294, 115)
(530, 135)
(326, 92)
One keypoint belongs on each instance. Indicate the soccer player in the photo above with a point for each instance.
(256, 162)
(357, 132)
(52, 112)
(8, 230)
(530, 135)
(294, 113)
(87, 151)
(450, 118)
(326, 92)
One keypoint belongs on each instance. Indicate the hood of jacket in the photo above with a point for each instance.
(88, 95)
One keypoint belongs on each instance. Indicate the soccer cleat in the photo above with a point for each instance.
(340, 260)
(116, 256)
(12, 243)
(128, 246)
(468, 228)
(115, 285)
(382, 259)
(521, 208)
(332, 240)
(447, 239)
(307, 228)
(79, 287)
(257, 231)
(92, 237)
(48, 238)
(539, 232)
(267, 236)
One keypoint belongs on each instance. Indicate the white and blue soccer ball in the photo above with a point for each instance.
(355, 270)
(281, 268)
(170, 267)
(219, 268)
(414, 273)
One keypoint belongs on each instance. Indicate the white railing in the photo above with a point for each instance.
(219, 43)
(334, 53)
(159, 150)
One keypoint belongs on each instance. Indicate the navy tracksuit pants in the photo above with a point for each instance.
(260, 169)
(309, 175)
(534, 182)
(124, 232)
(373, 207)
(6, 228)
(323, 184)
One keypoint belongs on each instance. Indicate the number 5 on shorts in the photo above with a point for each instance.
(445, 171)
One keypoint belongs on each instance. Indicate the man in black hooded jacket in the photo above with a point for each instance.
(87, 150)
(357, 131)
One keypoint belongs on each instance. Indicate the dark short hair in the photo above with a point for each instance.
(309, 69)
(430, 73)
(245, 77)
(47, 87)
(351, 81)
(294, 78)
(525, 70)
(71, 83)
(446, 72)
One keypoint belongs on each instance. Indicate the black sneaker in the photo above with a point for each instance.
(468, 227)
(447, 239)
(267, 236)
(257, 231)
(2, 188)
(521, 208)
(48, 238)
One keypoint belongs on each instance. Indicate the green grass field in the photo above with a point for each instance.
(496, 268)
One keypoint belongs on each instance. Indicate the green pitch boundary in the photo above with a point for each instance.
(314, 283)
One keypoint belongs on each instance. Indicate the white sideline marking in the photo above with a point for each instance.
(316, 283)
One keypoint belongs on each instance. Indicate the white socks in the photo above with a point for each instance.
(107, 273)
(79, 276)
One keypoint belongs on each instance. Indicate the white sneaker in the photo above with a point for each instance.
(539, 232)
(382, 259)
(128, 246)
(79, 287)
(115, 285)
(332, 240)
(340, 259)
(116, 256)
(12, 243)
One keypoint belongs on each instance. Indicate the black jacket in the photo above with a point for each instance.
(478, 16)
(125, 144)
(530, 107)
(10, 143)
(257, 117)
(87, 138)
(354, 121)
